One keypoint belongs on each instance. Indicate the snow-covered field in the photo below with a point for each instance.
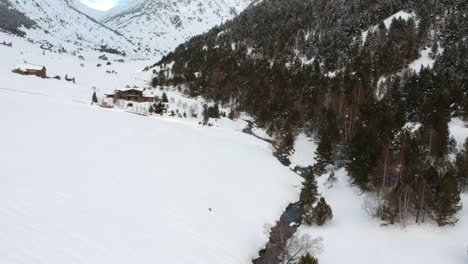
(83, 184)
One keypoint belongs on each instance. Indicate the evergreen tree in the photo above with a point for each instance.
(159, 108)
(461, 164)
(284, 142)
(309, 195)
(206, 115)
(308, 259)
(322, 212)
(213, 111)
(363, 150)
(231, 115)
(95, 99)
(324, 154)
(164, 98)
(446, 199)
(328, 134)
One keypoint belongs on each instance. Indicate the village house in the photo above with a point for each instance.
(134, 95)
(31, 70)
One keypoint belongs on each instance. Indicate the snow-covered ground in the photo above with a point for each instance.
(424, 60)
(83, 184)
(459, 130)
(304, 151)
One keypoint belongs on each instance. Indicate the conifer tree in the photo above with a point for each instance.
(324, 154)
(322, 212)
(328, 134)
(159, 108)
(206, 115)
(362, 152)
(309, 195)
(231, 115)
(284, 142)
(95, 99)
(164, 98)
(461, 164)
(308, 259)
(446, 199)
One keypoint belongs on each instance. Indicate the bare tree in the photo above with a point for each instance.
(298, 246)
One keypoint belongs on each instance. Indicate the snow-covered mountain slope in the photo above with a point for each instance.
(60, 24)
(158, 26)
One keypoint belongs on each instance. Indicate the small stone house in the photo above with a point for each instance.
(133, 95)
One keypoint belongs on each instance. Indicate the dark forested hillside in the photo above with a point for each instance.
(11, 20)
(340, 71)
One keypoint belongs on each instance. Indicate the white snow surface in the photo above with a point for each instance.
(83, 184)
(304, 151)
(423, 61)
(459, 130)
(412, 126)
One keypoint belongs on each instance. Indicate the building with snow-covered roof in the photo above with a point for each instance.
(132, 94)
(39, 71)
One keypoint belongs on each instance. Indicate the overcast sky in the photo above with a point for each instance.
(102, 4)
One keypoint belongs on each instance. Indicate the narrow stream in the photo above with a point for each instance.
(289, 221)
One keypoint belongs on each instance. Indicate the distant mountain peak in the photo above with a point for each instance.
(158, 26)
